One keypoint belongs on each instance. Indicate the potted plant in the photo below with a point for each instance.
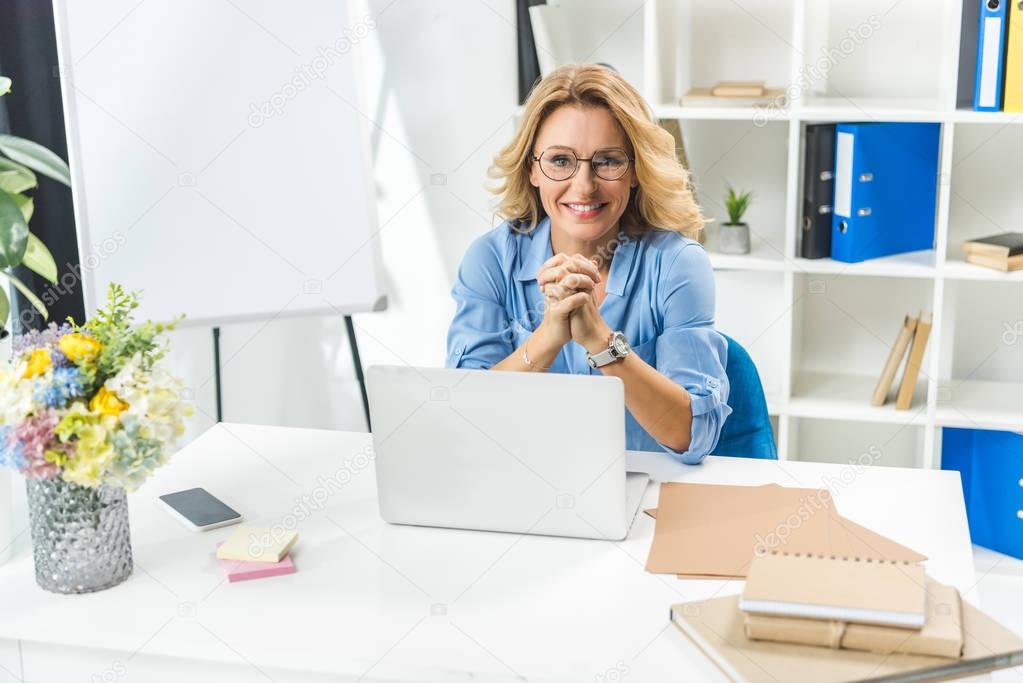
(87, 413)
(733, 236)
(20, 160)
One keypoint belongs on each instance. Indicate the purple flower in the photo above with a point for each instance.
(46, 338)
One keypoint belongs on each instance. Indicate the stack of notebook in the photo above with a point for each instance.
(850, 603)
(254, 553)
(1002, 252)
(735, 94)
(816, 618)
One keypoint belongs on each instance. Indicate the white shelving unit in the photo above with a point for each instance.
(820, 330)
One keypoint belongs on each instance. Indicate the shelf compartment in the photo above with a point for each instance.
(917, 264)
(750, 114)
(958, 269)
(836, 396)
(763, 256)
(855, 444)
(826, 109)
(980, 404)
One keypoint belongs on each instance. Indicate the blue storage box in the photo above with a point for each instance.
(991, 465)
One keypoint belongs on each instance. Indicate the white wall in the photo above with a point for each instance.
(441, 85)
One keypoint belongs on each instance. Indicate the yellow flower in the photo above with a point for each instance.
(78, 347)
(38, 362)
(105, 402)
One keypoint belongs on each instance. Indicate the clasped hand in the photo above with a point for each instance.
(568, 284)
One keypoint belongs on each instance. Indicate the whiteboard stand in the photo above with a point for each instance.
(216, 373)
(357, 362)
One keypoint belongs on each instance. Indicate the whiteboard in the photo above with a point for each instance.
(219, 155)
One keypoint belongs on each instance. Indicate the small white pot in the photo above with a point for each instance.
(733, 238)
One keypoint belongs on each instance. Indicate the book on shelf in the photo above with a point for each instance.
(1005, 265)
(846, 589)
(703, 97)
(904, 399)
(738, 89)
(1004, 245)
(891, 366)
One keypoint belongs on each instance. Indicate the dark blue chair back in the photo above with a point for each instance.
(747, 432)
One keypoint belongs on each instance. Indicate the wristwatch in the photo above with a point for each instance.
(617, 348)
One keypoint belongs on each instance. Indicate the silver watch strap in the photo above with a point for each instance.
(601, 359)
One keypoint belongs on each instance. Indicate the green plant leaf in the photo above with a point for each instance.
(5, 85)
(5, 307)
(15, 178)
(39, 260)
(26, 205)
(27, 293)
(13, 232)
(36, 157)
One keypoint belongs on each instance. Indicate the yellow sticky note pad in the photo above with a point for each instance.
(254, 544)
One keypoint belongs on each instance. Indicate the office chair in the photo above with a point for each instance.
(747, 431)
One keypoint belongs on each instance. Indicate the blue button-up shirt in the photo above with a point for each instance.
(660, 293)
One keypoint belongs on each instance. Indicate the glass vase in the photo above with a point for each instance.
(81, 541)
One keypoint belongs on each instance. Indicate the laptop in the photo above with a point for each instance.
(527, 453)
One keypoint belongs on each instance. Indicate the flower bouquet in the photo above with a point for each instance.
(86, 414)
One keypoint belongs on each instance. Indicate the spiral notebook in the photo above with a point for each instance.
(847, 589)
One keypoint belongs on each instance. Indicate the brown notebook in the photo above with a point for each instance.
(941, 635)
(836, 588)
(716, 627)
(891, 366)
(1001, 246)
(915, 361)
(738, 89)
(1005, 265)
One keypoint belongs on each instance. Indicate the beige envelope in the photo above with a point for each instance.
(713, 531)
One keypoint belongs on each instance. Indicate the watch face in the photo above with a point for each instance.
(620, 344)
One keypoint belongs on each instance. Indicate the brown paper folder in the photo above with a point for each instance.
(941, 635)
(716, 627)
(714, 530)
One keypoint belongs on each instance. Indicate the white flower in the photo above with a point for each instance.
(15, 394)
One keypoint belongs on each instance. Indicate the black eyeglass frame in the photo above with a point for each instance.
(579, 160)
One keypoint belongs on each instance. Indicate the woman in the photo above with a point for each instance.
(590, 272)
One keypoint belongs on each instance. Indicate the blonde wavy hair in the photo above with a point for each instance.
(662, 198)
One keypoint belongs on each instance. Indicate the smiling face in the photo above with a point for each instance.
(585, 207)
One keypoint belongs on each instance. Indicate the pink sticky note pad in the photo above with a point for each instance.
(246, 571)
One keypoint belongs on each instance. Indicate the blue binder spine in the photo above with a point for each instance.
(991, 35)
(842, 212)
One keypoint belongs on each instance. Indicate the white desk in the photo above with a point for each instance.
(376, 602)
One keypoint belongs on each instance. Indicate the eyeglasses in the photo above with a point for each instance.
(561, 163)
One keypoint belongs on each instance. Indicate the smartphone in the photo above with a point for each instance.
(199, 510)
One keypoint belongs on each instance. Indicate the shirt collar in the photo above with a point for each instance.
(539, 249)
(536, 252)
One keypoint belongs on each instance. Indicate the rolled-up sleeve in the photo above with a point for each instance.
(479, 336)
(690, 351)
